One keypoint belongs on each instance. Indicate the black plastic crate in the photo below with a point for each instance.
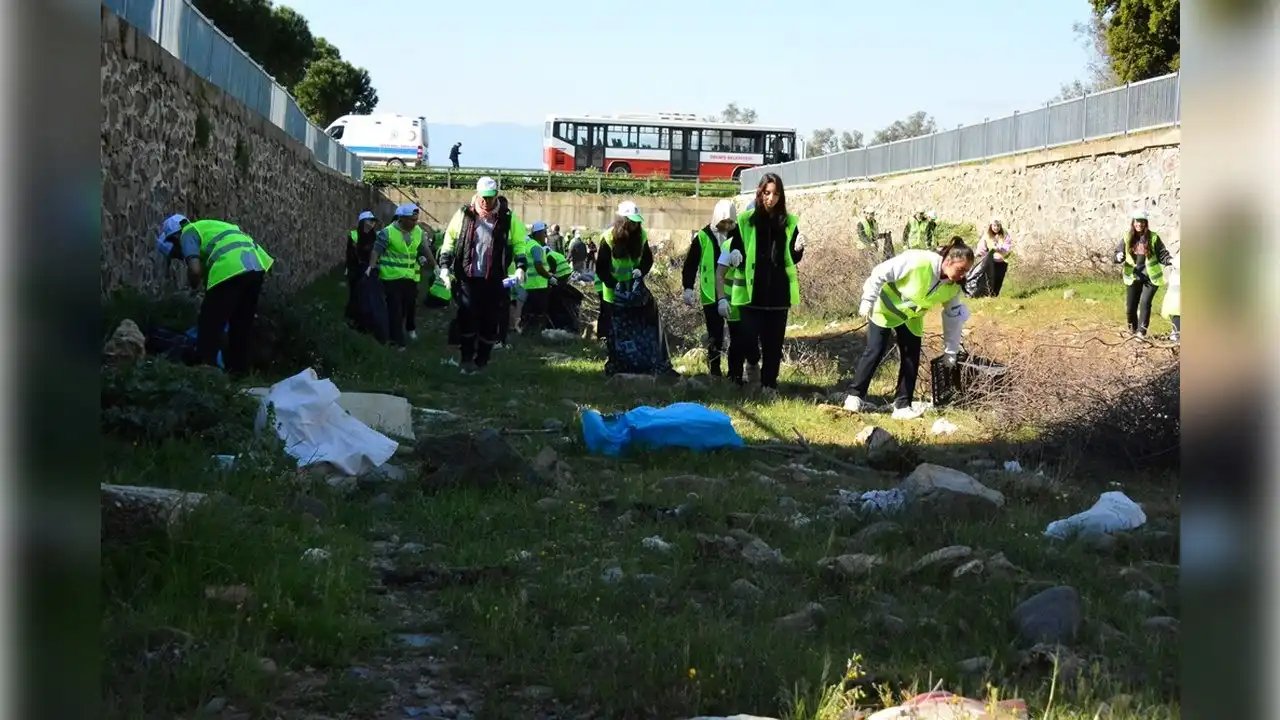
(971, 375)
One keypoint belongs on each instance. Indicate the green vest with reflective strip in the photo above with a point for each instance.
(400, 260)
(907, 300)
(707, 267)
(743, 285)
(918, 234)
(622, 267)
(563, 268)
(532, 280)
(868, 228)
(1154, 271)
(354, 235)
(226, 251)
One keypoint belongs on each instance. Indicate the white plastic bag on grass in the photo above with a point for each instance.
(1113, 512)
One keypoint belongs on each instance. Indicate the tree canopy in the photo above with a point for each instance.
(1143, 36)
(734, 114)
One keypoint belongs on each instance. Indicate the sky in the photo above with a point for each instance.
(808, 64)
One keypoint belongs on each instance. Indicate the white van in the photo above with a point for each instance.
(377, 139)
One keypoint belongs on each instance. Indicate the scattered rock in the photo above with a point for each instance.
(805, 619)
(1068, 293)
(1140, 597)
(633, 380)
(230, 594)
(657, 544)
(536, 693)
(268, 665)
(553, 424)
(880, 444)
(547, 504)
(1098, 542)
(868, 535)
(1090, 301)
(1053, 657)
(382, 500)
(307, 505)
(950, 492)
(744, 589)
(215, 706)
(412, 548)
(343, 484)
(998, 563)
(942, 559)
(612, 575)
(386, 472)
(1050, 616)
(973, 567)
(1162, 623)
(128, 511)
(974, 665)
(548, 468)
(648, 581)
(483, 458)
(851, 566)
(692, 482)
(126, 344)
(315, 555)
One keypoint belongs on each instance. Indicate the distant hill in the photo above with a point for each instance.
(499, 145)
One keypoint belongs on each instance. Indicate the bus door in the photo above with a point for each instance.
(684, 152)
(588, 147)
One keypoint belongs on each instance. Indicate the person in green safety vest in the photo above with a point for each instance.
(699, 278)
(1141, 254)
(359, 244)
(757, 266)
(230, 267)
(480, 241)
(624, 256)
(398, 257)
(563, 298)
(868, 230)
(895, 299)
(918, 233)
(537, 283)
(1172, 307)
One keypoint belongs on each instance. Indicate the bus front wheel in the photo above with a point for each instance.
(395, 163)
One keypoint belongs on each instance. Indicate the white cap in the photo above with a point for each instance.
(869, 210)
(933, 215)
(366, 215)
(725, 210)
(486, 187)
(1139, 214)
(628, 210)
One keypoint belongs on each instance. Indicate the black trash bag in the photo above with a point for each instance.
(564, 306)
(175, 346)
(978, 281)
(637, 343)
(373, 308)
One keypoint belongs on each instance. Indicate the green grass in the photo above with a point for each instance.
(535, 180)
(681, 647)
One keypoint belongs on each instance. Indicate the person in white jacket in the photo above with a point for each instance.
(1172, 306)
(895, 299)
(698, 276)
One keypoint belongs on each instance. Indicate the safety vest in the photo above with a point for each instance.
(400, 260)
(1154, 271)
(744, 284)
(707, 267)
(533, 280)
(917, 234)
(226, 251)
(354, 235)
(909, 298)
(622, 267)
(563, 268)
(869, 229)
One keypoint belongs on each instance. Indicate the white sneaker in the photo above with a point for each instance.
(413, 335)
(912, 412)
(853, 403)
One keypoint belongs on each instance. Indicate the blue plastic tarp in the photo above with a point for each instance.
(682, 425)
(194, 334)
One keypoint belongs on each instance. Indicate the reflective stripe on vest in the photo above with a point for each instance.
(563, 268)
(227, 251)
(622, 267)
(917, 236)
(907, 300)
(868, 229)
(400, 260)
(744, 284)
(533, 279)
(707, 267)
(1155, 273)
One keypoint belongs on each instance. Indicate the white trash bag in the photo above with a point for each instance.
(1113, 512)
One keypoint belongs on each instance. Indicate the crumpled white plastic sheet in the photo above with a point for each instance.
(1113, 512)
(316, 429)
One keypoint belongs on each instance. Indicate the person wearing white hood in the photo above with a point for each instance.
(700, 272)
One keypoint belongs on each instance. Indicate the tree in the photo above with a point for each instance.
(332, 88)
(292, 46)
(733, 114)
(1099, 74)
(914, 125)
(825, 141)
(277, 38)
(850, 140)
(1142, 36)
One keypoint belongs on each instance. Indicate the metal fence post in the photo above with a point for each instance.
(1177, 98)
(1127, 92)
(1084, 117)
(933, 149)
(548, 182)
(1015, 147)
(983, 152)
(697, 186)
(648, 186)
(1048, 126)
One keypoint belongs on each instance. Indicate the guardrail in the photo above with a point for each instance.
(599, 183)
(182, 30)
(1144, 105)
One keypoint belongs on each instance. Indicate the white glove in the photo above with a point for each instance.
(689, 297)
(552, 281)
(735, 258)
(635, 274)
(368, 271)
(443, 274)
(722, 307)
(864, 309)
(421, 261)
(1120, 256)
(521, 276)
(799, 243)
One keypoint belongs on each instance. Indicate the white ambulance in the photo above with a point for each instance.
(395, 140)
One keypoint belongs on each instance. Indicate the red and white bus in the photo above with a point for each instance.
(665, 145)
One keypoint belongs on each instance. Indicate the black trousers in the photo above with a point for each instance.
(740, 351)
(715, 338)
(1137, 307)
(877, 347)
(353, 296)
(765, 329)
(533, 316)
(504, 317)
(604, 322)
(481, 304)
(998, 270)
(402, 307)
(232, 304)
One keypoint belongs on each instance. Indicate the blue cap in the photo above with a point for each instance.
(171, 225)
(538, 226)
(164, 247)
(406, 210)
(366, 215)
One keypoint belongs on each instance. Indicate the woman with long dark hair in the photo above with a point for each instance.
(1142, 255)
(628, 315)
(895, 299)
(758, 266)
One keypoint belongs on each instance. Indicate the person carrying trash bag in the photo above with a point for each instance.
(479, 243)
(895, 299)
(608, 264)
(563, 299)
(700, 270)
(398, 256)
(358, 251)
(231, 268)
(636, 342)
(767, 245)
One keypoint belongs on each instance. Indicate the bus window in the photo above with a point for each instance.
(664, 138)
(747, 142)
(648, 138)
(786, 148)
(717, 140)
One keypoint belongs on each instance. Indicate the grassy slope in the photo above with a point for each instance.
(687, 647)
